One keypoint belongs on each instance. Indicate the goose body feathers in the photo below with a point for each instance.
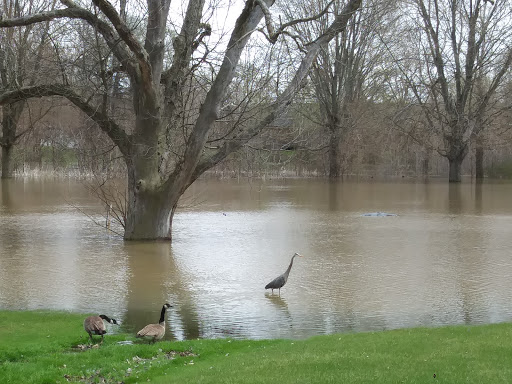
(155, 331)
(94, 325)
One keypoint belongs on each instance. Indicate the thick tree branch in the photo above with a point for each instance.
(116, 133)
(245, 25)
(158, 11)
(273, 35)
(184, 47)
(438, 57)
(127, 36)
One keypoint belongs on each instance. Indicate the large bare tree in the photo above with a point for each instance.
(157, 81)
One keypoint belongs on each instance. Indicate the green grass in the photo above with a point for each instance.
(38, 347)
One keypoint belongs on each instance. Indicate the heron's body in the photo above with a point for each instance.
(95, 325)
(155, 331)
(278, 282)
(281, 280)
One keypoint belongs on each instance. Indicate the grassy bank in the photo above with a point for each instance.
(41, 347)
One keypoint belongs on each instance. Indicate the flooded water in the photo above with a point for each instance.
(444, 259)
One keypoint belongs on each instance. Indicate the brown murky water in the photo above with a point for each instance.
(445, 259)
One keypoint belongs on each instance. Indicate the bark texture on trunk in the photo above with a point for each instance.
(11, 115)
(334, 148)
(479, 160)
(150, 213)
(334, 155)
(148, 219)
(455, 175)
(425, 166)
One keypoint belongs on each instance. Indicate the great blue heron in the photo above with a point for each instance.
(280, 281)
(94, 325)
(155, 331)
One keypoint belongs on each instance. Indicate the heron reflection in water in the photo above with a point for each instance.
(280, 281)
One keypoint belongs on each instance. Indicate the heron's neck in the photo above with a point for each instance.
(289, 267)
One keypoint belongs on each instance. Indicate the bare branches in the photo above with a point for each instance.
(112, 195)
(273, 35)
(184, 45)
(127, 36)
(286, 96)
(75, 12)
(104, 122)
(37, 18)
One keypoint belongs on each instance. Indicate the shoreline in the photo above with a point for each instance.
(41, 346)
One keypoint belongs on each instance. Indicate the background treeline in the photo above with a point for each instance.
(375, 102)
(295, 145)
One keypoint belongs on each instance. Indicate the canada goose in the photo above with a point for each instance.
(94, 324)
(155, 331)
(280, 281)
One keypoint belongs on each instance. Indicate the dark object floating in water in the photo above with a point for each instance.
(379, 214)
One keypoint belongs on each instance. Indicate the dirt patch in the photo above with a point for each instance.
(84, 347)
(174, 354)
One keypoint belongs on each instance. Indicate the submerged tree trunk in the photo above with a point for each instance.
(425, 163)
(457, 154)
(457, 150)
(334, 155)
(334, 148)
(479, 160)
(150, 215)
(7, 171)
(455, 175)
(11, 115)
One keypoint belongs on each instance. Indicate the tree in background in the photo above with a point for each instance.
(454, 56)
(21, 54)
(342, 71)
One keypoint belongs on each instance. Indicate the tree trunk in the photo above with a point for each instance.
(7, 171)
(11, 115)
(334, 154)
(454, 175)
(425, 163)
(151, 202)
(150, 214)
(458, 149)
(479, 160)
